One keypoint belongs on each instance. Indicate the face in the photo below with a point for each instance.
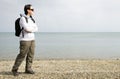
(31, 11)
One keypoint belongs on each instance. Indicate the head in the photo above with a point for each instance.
(28, 9)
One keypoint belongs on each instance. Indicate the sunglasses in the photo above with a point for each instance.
(31, 9)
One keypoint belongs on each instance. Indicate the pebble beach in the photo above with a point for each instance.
(65, 69)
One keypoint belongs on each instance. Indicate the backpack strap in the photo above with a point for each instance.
(22, 32)
(26, 19)
(23, 28)
(32, 19)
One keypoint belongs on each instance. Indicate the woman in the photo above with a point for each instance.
(27, 41)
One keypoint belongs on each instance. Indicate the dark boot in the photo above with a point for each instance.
(15, 73)
(29, 71)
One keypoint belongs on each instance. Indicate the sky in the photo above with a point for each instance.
(64, 15)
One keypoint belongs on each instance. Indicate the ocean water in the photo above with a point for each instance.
(82, 45)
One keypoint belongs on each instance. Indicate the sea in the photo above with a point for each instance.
(65, 45)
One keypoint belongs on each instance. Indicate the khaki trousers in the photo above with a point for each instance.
(27, 49)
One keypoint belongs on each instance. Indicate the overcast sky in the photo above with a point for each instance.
(65, 15)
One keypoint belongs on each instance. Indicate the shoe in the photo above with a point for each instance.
(29, 71)
(15, 73)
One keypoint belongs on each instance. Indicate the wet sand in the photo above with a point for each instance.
(65, 69)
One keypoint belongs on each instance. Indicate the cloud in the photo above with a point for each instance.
(65, 15)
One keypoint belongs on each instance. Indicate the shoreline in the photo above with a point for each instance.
(37, 58)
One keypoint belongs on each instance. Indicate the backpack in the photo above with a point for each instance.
(18, 29)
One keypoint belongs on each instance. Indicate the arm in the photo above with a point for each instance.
(35, 28)
(25, 25)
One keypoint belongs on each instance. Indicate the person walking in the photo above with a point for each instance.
(27, 41)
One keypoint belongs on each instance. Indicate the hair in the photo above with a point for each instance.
(26, 8)
(26, 12)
